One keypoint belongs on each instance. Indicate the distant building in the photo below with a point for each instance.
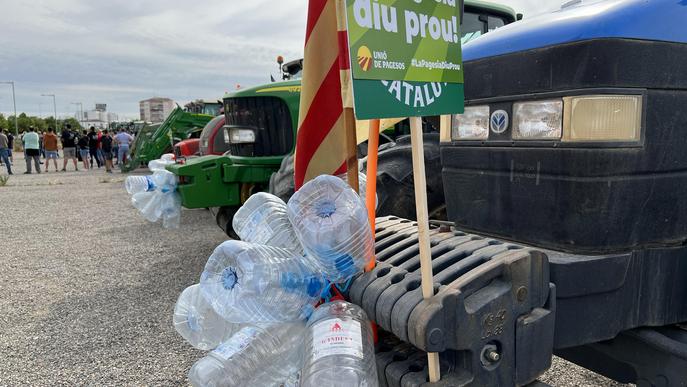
(156, 109)
(98, 117)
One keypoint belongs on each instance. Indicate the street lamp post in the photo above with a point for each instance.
(54, 106)
(14, 102)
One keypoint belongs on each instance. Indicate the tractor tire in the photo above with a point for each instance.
(395, 186)
(224, 218)
(282, 184)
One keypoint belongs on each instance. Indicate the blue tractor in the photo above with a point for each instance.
(565, 183)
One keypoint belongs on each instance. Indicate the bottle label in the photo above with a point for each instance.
(240, 341)
(337, 337)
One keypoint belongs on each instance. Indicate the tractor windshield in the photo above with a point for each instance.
(476, 24)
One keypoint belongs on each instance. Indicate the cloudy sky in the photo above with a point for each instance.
(120, 51)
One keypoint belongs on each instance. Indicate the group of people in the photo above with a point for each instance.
(100, 145)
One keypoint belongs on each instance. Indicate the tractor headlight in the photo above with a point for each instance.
(538, 120)
(241, 136)
(602, 118)
(473, 124)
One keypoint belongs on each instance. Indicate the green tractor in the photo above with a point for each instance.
(260, 131)
(152, 141)
(204, 106)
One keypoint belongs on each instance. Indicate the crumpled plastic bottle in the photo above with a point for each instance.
(362, 186)
(263, 220)
(250, 283)
(199, 324)
(331, 222)
(155, 195)
(254, 356)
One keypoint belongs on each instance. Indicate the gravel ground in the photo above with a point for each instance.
(88, 287)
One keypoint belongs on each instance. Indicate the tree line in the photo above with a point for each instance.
(41, 124)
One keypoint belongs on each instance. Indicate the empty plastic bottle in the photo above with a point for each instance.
(146, 204)
(254, 356)
(162, 162)
(156, 198)
(263, 220)
(339, 348)
(249, 283)
(330, 221)
(362, 185)
(197, 322)
(164, 181)
(170, 210)
(137, 184)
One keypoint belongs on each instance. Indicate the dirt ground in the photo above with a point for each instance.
(88, 287)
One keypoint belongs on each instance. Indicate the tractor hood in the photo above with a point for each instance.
(659, 20)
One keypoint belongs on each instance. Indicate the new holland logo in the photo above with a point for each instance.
(499, 121)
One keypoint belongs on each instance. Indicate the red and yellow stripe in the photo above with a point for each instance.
(321, 142)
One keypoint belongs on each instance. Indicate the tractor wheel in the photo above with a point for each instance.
(395, 187)
(224, 217)
(282, 184)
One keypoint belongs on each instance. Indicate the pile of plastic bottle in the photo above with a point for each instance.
(155, 196)
(257, 307)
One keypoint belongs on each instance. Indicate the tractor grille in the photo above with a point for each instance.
(271, 120)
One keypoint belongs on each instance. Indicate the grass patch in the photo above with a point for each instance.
(4, 179)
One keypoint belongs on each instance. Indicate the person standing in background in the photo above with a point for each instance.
(50, 144)
(93, 146)
(123, 140)
(83, 150)
(69, 147)
(41, 144)
(106, 149)
(100, 147)
(10, 145)
(3, 151)
(32, 149)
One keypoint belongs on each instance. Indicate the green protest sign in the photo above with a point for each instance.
(395, 99)
(405, 57)
(411, 40)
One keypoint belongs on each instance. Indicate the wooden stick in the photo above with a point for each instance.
(351, 149)
(371, 189)
(420, 182)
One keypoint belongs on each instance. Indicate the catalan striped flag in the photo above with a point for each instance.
(321, 139)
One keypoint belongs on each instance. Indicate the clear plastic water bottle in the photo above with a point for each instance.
(249, 283)
(263, 220)
(362, 186)
(161, 163)
(156, 198)
(254, 356)
(331, 222)
(197, 322)
(339, 348)
(146, 204)
(170, 210)
(137, 184)
(164, 181)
